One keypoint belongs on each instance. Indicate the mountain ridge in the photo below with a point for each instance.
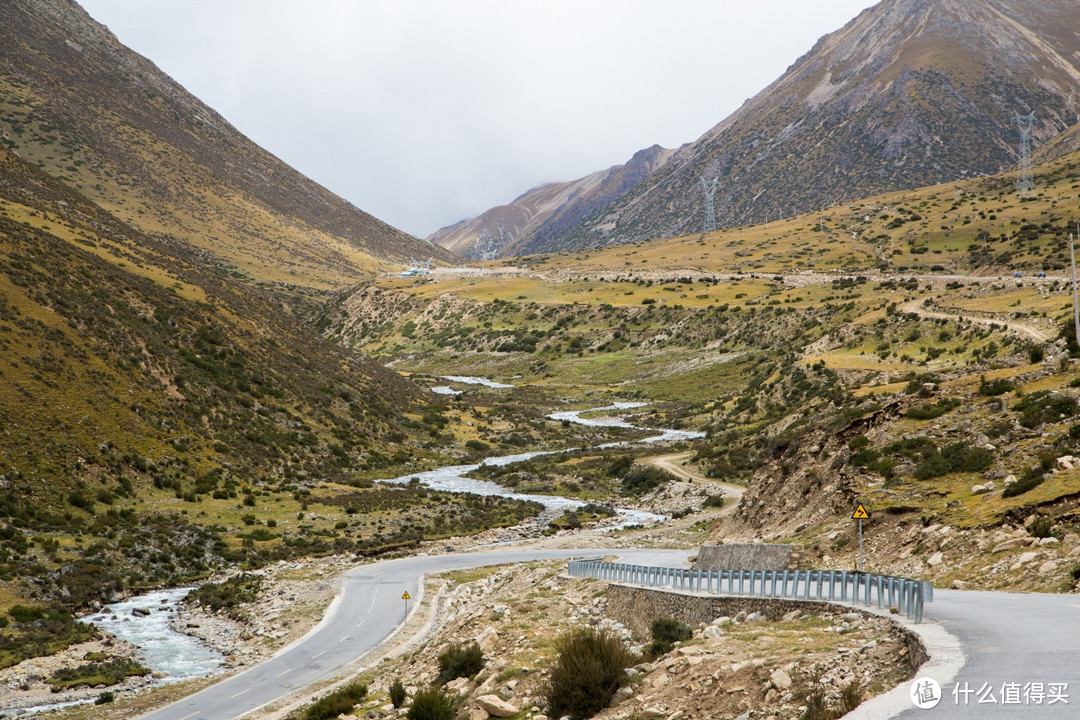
(105, 119)
(908, 93)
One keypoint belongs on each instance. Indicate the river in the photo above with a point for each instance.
(173, 656)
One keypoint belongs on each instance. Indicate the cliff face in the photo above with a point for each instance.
(106, 121)
(907, 94)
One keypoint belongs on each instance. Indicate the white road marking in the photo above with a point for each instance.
(191, 715)
(284, 673)
(315, 656)
(241, 692)
(359, 623)
(344, 639)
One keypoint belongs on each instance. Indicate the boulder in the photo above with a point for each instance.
(780, 679)
(935, 559)
(487, 639)
(496, 706)
(711, 632)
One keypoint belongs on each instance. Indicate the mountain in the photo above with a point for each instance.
(909, 93)
(107, 122)
(548, 211)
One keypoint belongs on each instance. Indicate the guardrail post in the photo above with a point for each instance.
(866, 597)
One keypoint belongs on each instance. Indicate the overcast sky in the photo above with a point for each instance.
(425, 112)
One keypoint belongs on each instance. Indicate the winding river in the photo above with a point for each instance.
(144, 621)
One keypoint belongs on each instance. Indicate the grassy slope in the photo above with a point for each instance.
(789, 341)
(105, 121)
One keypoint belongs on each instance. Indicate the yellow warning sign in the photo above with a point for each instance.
(406, 595)
(860, 513)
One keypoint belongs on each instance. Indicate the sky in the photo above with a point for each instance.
(426, 112)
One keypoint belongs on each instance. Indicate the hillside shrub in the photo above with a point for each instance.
(666, 632)
(930, 411)
(227, 595)
(640, 480)
(1028, 481)
(432, 704)
(587, 671)
(397, 693)
(459, 661)
(339, 702)
(957, 457)
(95, 673)
(1043, 407)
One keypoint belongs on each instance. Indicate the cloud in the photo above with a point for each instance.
(424, 112)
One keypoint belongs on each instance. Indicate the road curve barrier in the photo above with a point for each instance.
(906, 595)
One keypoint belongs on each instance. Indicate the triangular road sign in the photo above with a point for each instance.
(860, 513)
(406, 595)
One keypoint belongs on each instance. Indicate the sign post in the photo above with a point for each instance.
(405, 597)
(860, 514)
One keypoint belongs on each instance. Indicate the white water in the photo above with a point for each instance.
(452, 479)
(465, 380)
(165, 651)
(170, 655)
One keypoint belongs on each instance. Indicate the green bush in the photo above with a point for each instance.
(24, 614)
(92, 674)
(339, 702)
(1028, 481)
(105, 698)
(397, 693)
(930, 411)
(640, 480)
(587, 671)
(459, 661)
(713, 501)
(432, 704)
(1042, 526)
(665, 633)
(957, 457)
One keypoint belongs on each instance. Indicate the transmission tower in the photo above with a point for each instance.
(710, 211)
(1025, 183)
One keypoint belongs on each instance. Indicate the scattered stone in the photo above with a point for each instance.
(1048, 541)
(712, 632)
(496, 706)
(935, 559)
(1009, 480)
(960, 585)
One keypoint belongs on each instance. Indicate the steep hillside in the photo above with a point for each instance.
(910, 93)
(104, 120)
(546, 212)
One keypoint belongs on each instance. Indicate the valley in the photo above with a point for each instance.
(216, 374)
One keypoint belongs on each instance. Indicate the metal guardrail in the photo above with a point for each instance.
(906, 595)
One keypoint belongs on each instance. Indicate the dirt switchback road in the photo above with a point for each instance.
(673, 464)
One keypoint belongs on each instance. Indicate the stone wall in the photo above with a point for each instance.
(745, 556)
(636, 608)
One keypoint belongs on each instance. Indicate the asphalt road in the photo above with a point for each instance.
(1021, 652)
(1017, 646)
(368, 609)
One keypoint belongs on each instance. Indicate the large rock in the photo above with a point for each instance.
(496, 706)
(487, 639)
(780, 679)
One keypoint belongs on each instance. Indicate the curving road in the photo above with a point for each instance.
(368, 609)
(1020, 650)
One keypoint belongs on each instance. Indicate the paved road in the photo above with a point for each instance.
(1021, 650)
(1013, 642)
(369, 608)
